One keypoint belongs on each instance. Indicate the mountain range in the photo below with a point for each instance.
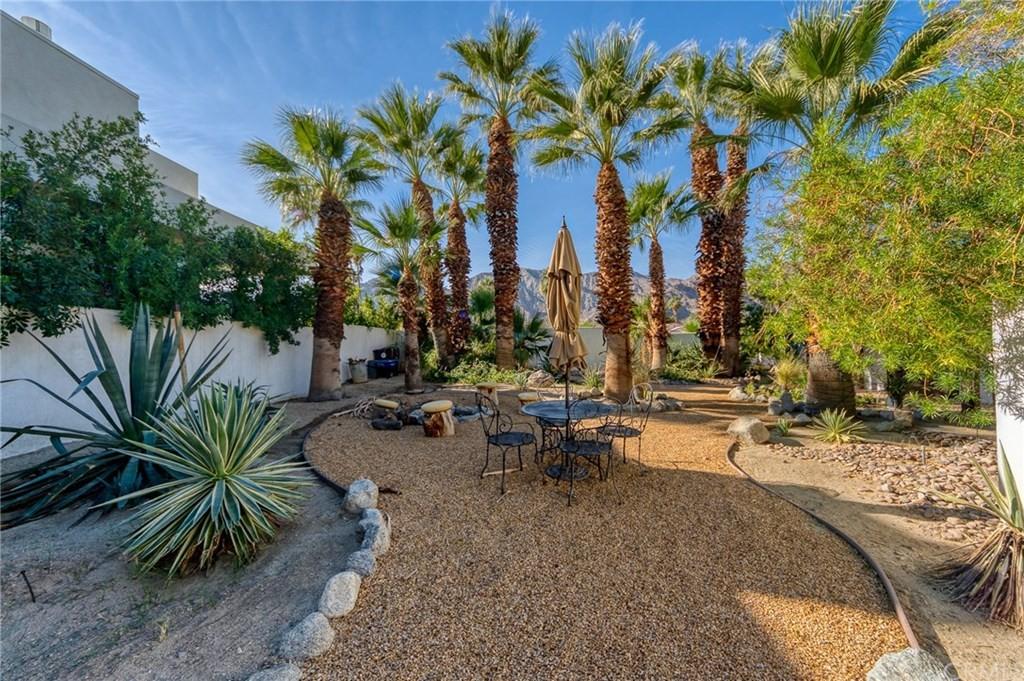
(531, 298)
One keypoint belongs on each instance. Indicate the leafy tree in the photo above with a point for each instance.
(461, 169)
(605, 116)
(654, 209)
(396, 237)
(909, 247)
(404, 128)
(317, 173)
(495, 88)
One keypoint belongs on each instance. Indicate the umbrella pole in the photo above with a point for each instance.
(568, 419)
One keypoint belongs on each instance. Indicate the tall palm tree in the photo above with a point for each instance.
(316, 173)
(698, 99)
(404, 128)
(461, 169)
(494, 88)
(654, 209)
(832, 76)
(604, 116)
(396, 239)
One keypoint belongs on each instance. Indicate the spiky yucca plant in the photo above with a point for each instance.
(223, 499)
(789, 372)
(992, 575)
(835, 426)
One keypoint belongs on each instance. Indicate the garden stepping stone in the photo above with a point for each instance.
(340, 594)
(309, 638)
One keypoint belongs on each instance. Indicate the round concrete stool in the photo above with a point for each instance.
(437, 419)
(528, 397)
(489, 389)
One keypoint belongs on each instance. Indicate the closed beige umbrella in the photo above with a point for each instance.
(564, 299)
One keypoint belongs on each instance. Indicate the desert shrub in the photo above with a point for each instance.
(688, 363)
(782, 427)
(471, 372)
(222, 498)
(594, 379)
(99, 464)
(790, 373)
(992, 575)
(835, 426)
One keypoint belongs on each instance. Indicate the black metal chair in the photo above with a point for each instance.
(590, 443)
(499, 431)
(631, 421)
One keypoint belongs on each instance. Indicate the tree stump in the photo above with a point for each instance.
(489, 389)
(437, 419)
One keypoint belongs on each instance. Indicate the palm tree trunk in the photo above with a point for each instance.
(614, 281)
(407, 293)
(707, 183)
(500, 202)
(657, 333)
(457, 260)
(733, 258)
(333, 241)
(828, 386)
(431, 275)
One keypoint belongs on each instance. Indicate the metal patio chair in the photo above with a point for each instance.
(499, 431)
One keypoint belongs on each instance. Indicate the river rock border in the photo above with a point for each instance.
(313, 635)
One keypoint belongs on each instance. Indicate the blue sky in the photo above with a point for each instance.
(211, 75)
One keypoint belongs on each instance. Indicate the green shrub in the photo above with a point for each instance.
(471, 372)
(782, 427)
(222, 500)
(688, 363)
(835, 426)
(594, 379)
(992, 575)
(790, 373)
(100, 464)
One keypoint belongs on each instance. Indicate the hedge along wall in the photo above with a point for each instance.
(285, 374)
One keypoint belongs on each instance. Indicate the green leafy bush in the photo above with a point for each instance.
(992, 575)
(835, 426)
(222, 499)
(790, 373)
(471, 372)
(100, 464)
(686, 362)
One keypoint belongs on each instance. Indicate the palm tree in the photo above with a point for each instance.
(698, 98)
(495, 89)
(605, 117)
(461, 169)
(481, 310)
(317, 173)
(532, 336)
(404, 129)
(831, 76)
(654, 209)
(396, 239)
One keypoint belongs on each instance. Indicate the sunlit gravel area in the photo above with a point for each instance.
(678, 570)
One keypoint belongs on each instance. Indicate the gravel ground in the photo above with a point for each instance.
(910, 474)
(693, 573)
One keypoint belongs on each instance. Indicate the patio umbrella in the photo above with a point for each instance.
(565, 281)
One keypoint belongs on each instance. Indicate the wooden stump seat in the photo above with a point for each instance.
(437, 419)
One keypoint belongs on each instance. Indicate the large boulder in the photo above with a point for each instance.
(909, 664)
(282, 672)
(749, 430)
(541, 379)
(309, 638)
(361, 494)
(340, 594)
(737, 394)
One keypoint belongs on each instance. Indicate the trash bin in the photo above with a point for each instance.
(357, 368)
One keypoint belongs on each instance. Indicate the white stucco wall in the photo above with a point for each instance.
(593, 338)
(1008, 343)
(286, 373)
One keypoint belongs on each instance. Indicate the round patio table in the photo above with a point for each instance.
(556, 411)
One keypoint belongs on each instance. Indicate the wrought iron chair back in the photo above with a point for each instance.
(493, 421)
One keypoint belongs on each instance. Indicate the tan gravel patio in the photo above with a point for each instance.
(695, 574)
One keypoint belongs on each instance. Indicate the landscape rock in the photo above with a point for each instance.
(414, 417)
(749, 430)
(909, 664)
(786, 398)
(541, 379)
(340, 594)
(309, 638)
(802, 419)
(362, 562)
(738, 395)
(376, 534)
(386, 424)
(282, 672)
(362, 493)
(775, 408)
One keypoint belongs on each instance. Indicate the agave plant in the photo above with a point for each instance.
(835, 426)
(782, 426)
(98, 466)
(222, 499)
(992, 575)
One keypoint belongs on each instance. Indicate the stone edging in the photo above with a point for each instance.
(890, 590)
(313, 635)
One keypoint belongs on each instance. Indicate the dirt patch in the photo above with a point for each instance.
(94, 619)
(678, 570)
(908, 545)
